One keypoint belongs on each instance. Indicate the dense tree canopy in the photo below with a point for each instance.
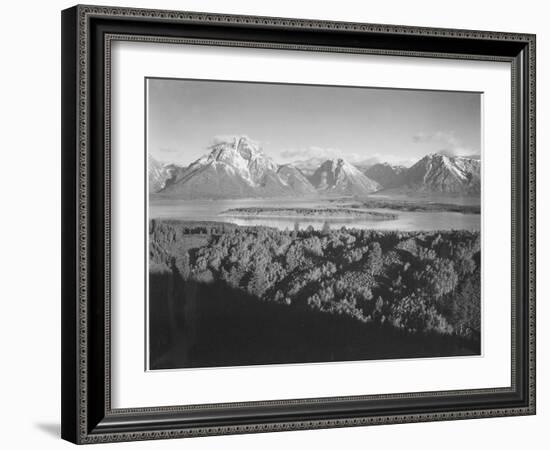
(415, 281)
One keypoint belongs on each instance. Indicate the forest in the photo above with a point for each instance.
(406, 205)
(222, 294)
(301, 213)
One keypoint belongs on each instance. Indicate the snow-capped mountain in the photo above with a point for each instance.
(310, 165)
(160, 174)
(444, 174)
(237, 168)
(337, 176)
(385, 174)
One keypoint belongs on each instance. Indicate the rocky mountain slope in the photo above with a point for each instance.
(336, 176)
(161, 175)
(294, 177)
(436, 173)
(385, 174)
(237, 168)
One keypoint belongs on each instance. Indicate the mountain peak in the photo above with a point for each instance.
(236, 167)
(436, 156)
(245, 147)
(337, 176)
(446, 157)
(447, 174)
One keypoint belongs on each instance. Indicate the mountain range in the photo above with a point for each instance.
(238, 168)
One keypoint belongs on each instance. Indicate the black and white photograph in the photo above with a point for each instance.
(296, 223)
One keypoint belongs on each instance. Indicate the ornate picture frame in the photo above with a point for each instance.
(88, 33)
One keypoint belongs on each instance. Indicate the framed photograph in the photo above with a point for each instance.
(279, 224)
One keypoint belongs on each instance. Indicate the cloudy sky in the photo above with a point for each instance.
(297, 122)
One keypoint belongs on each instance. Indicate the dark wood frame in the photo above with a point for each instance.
(87, 32)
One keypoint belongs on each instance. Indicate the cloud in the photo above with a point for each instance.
(447, 141)
(315, 152)
(310, 152)
(443, 137)
(447, 152)
(321, 153)
(227, 138)
(397, 160)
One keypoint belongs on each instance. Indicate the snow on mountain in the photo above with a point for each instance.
(160, 174)
(444, 174)
(236, 168)
(337, 176)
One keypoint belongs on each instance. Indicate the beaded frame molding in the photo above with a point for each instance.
(87, 35)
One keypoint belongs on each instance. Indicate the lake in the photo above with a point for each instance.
(209, 210)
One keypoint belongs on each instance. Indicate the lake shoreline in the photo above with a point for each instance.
(343, 211)
(305, 213)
